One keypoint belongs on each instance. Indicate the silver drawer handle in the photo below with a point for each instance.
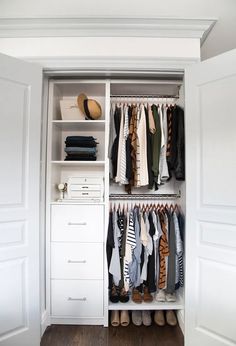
(77, 223)
(71, 261)
(79, 299)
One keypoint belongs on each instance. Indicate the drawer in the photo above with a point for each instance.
(77, 261)
(83, 223)
(85, 194)
(85, 187)
(77, 298)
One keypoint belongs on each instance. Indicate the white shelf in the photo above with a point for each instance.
(82, 125)
(77, 203)
(154, 305)
(78, 163)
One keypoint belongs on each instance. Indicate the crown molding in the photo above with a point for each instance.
(106, 26)
(107, 65)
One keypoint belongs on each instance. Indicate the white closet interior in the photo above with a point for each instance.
(77, 276)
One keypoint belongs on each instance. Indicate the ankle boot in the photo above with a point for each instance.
(115, 318)
(124, 318)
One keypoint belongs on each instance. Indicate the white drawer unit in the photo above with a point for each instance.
(83, 223)
(77, 261)
(77, 298)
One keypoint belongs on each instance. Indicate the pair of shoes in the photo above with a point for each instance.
(141, 317)
(117, 295)
(160, 319)
(138, 298)
(120, 318)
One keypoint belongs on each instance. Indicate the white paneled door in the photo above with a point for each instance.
(20, 114)
(211, 202)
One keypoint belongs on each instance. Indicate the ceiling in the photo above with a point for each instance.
(221, 38)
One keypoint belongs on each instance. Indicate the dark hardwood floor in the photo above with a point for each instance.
(64, 335)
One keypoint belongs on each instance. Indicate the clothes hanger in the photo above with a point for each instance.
(176, 208)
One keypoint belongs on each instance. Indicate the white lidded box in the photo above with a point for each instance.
(70, 110)
(85, 188)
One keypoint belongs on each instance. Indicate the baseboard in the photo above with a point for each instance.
(180, 317)
(78, 321)
(44, 322)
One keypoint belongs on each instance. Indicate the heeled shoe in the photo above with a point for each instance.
(124, 318)
(114, 295)
(124, 296)
(115, 318)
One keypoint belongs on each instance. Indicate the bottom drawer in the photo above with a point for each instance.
(77, 298)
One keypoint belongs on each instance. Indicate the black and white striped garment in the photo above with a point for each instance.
(181, 270)
(130, 240)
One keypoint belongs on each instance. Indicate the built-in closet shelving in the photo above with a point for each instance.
(63, 289)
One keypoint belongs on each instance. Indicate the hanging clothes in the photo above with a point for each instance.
(145, 248)
(142, 169)
(146, 145)
(156, 145)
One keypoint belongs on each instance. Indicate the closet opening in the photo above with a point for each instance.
(77, 224)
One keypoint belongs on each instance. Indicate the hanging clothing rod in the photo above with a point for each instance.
(145, 196)
(146, 96)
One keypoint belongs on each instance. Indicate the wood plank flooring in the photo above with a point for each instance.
(65, 335)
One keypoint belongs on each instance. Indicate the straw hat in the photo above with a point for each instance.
(90, 108)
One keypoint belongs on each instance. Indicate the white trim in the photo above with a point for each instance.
(103, 64)
(44, 322)
(77, 321)
(180, 317)
(107, 26)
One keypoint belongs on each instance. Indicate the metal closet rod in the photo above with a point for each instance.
(146, 196)
(147, 96)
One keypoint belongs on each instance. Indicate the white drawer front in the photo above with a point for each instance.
(82, 223)
(85, 194)
(77, 261)
(77, 298)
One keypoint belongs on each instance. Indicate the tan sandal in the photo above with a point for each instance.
(147, 297)
(136, 296)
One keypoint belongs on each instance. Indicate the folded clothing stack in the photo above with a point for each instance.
(81, 148)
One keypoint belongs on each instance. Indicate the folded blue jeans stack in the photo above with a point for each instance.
(81, 148)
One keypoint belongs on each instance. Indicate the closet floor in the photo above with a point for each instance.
(64, 335)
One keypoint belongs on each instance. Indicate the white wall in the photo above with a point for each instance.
(222, 37)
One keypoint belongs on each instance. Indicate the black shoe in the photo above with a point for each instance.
(114, 295)
(124, 296)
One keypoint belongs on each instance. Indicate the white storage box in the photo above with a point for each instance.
(85, 188)
(70, 110)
